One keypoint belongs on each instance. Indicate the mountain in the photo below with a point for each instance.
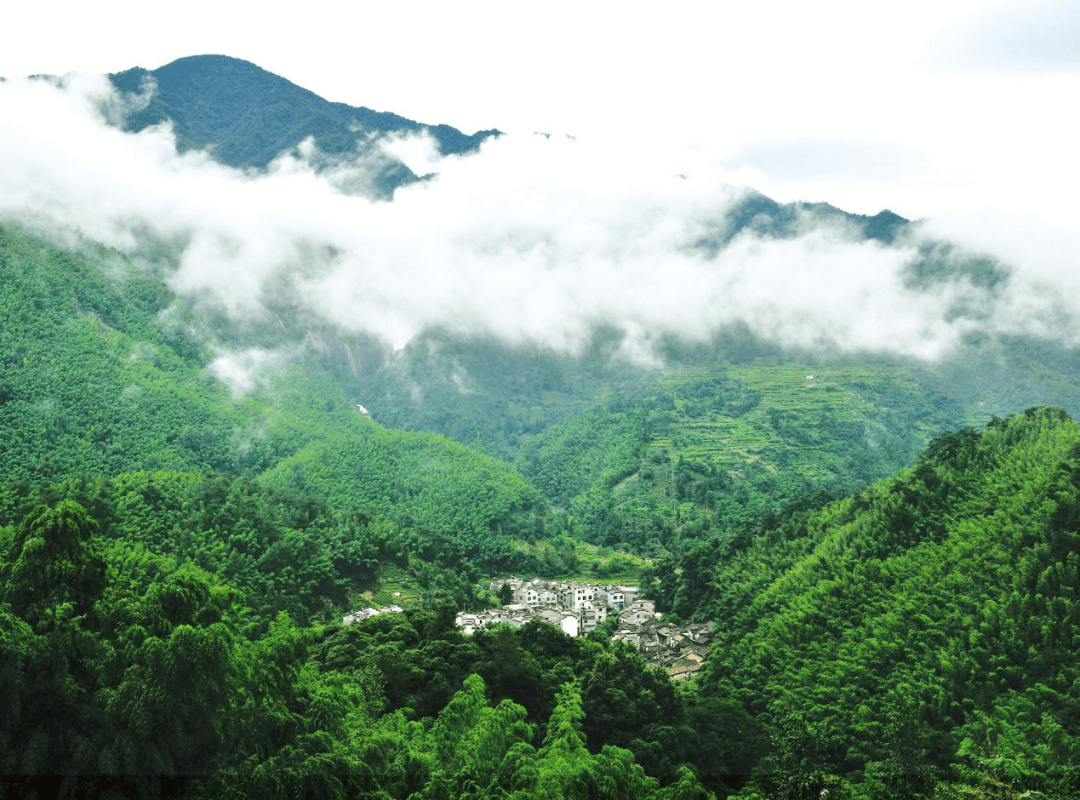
(247, 117)
(700, 438)
(730, 426)
(174, 561)
(755, 213)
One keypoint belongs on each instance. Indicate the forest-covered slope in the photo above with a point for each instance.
(728, 424)
(922, 630)
(164, 597)
(127, 674)
(914, 640)
(104, 381)
(648, 457)
(191, 496)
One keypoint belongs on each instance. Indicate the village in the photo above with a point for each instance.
(578, 608)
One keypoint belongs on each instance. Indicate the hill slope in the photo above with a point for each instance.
(104, 395)
(923, 629)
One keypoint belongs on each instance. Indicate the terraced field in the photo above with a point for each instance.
(395, 587)
(764, 433)
(795, 406)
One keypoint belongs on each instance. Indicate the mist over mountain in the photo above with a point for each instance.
(257, 202)
(252, 198)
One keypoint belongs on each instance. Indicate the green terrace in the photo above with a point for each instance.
(798, 406)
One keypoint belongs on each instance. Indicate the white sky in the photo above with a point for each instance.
(931, 107)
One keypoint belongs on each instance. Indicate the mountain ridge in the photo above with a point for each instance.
(247, 116)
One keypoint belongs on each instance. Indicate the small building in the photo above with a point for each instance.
(527, 595)
(591, 615)
(611, 596)
(552, 616)
(368, 613)
(573, 595)
(639, 612)
(683, 669)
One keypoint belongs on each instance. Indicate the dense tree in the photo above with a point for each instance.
(917, 633)
(52, 565)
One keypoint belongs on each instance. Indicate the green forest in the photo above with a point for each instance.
(892, 620)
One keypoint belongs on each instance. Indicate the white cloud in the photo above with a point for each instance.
(245, 370)
(534, 239)
(418, 153)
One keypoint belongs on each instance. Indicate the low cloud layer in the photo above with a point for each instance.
(534, 239)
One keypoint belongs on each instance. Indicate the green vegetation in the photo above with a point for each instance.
(174, 560)
(912, 640)
(639, 459)
(128, 673)
(921, 631)
(727, 443)
(106, 399)
(173, 553)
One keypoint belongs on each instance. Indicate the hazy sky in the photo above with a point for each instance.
(961, 112)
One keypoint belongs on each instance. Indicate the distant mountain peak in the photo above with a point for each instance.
(246, 116)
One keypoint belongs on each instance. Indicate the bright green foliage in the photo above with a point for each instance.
(922, 629)
(52, 564)
(104, 399)
(564, 762)
(469, 739)
(89, 383)
(169, 552)
(533, 668)
(462, 501)
(913, 636)
(564, 767)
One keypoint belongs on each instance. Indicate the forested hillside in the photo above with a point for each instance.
(913, 634)
(913, 639)
(126, 674)
(652, 458)
(171, 555)
(922, 630)
(105, 385)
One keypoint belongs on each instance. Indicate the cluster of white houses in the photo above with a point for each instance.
(578, 608)
(368, 613)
